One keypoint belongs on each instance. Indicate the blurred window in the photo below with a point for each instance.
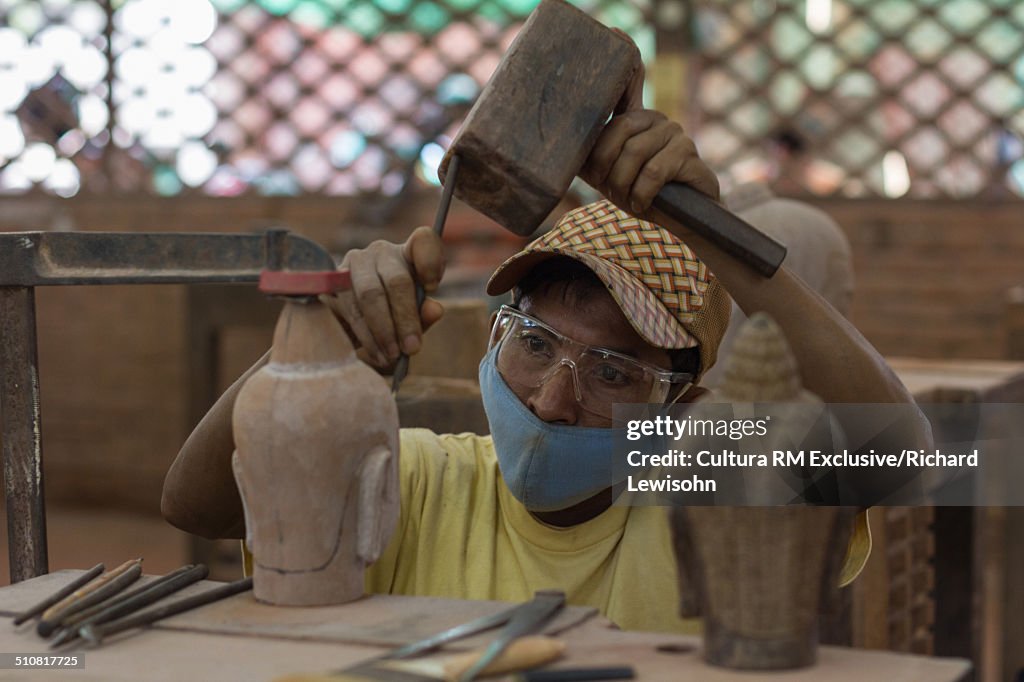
(859, 98)
(226, 97)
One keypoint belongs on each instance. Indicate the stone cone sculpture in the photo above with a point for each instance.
(760, 575)
(316, 462)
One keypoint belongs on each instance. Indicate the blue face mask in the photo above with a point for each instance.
(548, 467)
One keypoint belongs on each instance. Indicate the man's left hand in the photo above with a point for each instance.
(641, 150)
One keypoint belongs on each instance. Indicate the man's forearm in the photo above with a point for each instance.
(835, 361)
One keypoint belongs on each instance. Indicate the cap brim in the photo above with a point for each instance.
(629, 295)
(515, 268)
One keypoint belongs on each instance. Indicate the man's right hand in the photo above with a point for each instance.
(379, 311)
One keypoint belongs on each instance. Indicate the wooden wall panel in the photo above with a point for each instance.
(931, 282)
(932, 275)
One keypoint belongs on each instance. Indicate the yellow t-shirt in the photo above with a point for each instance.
(462, 534)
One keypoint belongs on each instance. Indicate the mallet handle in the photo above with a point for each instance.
(710, 220)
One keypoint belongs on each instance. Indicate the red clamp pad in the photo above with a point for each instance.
(299, 283)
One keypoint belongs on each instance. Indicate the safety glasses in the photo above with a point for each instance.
(531, 352)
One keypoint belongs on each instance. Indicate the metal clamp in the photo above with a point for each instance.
(31, 259)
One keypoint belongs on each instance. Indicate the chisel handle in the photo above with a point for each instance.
(402, 367)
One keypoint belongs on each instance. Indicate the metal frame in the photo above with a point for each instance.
(31, 259)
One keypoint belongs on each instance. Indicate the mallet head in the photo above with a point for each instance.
(536, 120)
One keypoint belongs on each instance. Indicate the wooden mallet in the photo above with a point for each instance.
(536, 120)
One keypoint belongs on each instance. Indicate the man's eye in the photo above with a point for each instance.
(611, 374)
(535, 344)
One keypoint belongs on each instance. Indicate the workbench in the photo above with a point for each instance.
(241, 639)
(932, 380)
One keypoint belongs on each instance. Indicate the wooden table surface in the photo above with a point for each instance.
(936, 380)
(240, 639)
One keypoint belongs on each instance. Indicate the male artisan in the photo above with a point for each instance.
(607, 308)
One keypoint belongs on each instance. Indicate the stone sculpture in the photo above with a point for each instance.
(316, 463)
(760, 575)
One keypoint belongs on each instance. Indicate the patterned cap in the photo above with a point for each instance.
(668, 295)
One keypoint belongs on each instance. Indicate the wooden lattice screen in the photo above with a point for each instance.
(339, 97)
(909, 553)
(923, 98)
(848, 97)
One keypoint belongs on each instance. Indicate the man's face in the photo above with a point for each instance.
(596, 322)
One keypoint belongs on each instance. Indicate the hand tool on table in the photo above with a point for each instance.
(526, 618)
(107, 585)
(525, 652)
(402, 366)
(97, 632)
(537, 612)
(59, 594)
(535, 122)
(129, 601)
(624, 672)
